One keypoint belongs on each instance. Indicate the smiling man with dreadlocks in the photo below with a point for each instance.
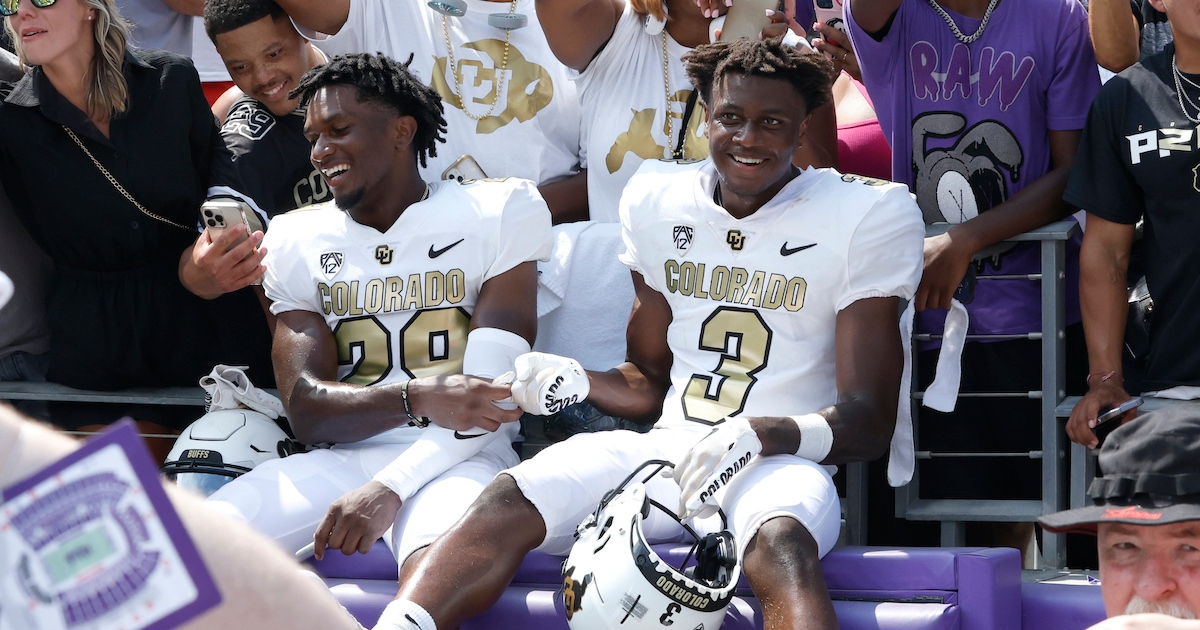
(763, 344)
(397, 306)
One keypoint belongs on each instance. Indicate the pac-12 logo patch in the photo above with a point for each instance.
(682, 235)
(331, 264)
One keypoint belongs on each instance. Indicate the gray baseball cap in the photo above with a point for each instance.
(1151, 474)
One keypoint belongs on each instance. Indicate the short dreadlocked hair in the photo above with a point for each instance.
(222, 16)
(382, 80)
(809, 73)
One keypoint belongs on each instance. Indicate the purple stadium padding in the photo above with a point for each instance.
(873, 589)
(1049, 606)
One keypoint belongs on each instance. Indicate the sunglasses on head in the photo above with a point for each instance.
(9, 7)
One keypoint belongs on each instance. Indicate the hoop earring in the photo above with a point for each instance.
(654, 25)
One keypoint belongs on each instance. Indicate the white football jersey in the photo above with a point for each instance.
(399, 303)
(754, 301)
(533, 130)
(625, 109)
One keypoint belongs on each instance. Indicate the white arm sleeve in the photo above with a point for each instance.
(490, 353)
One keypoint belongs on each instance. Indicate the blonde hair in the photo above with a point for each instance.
(657, 8)
(108, 92)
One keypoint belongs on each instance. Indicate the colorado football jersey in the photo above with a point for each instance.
(754, 301)
(399, 303)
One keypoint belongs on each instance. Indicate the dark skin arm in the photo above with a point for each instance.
(1039, 203)
(321, 409)
(567, 198)
(868, 367)
(577, 29)
(1103, 264)
(869, 363)
(322, 16)
(1115, 34)
(873, 15)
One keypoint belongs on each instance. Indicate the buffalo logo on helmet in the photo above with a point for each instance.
(573, 592)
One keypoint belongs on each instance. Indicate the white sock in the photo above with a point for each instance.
(402, 614)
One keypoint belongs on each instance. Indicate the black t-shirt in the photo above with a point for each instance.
(272, 156)
(1138, 158)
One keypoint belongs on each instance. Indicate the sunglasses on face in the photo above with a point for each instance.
(9, 7)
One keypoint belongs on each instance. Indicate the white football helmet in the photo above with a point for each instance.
(614, 580)
(221, 446)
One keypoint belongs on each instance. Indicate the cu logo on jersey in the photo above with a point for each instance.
(682, 235)
(735, 239)
(331, 264)
(246, 119)
(383, 254)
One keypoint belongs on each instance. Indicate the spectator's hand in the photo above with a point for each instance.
(462, 402)
(1148, 621)
(211, 268)
(1100, 397)
(945, 267)
(356, 520)
(546, 383)
(779, 26)
(836, 45)
(713, 8)
(712, 464)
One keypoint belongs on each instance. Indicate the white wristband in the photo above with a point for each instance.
(816, 437)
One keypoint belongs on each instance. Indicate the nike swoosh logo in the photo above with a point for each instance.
(434, 253)
(784, 251)
(460, 436)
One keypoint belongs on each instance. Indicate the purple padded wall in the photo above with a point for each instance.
(1060, 606)
(876, 589)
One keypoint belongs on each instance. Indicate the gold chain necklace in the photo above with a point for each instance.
(669, 154)
(512, 8)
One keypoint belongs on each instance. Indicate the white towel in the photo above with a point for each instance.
(228, 387)
(585, 295)
(941, 395)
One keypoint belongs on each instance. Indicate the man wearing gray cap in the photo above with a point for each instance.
(1146, 517)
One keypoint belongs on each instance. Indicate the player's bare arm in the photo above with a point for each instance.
(577, 29)
(322, 16)
(1103, 263)
(567, 198)
(321, 409)
(869, 364)
(1115, 34)
(1039, 203)
(636, 389)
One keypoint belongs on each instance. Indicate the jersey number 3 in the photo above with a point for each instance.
(432, 342)
(743, 340)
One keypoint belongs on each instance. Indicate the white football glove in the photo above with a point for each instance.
(545, 383)
(712, 464)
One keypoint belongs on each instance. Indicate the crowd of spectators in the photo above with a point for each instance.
(987, 110)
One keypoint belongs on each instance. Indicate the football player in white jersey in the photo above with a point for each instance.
(764, 342)
(397, 305)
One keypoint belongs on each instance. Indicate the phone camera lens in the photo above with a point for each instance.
(212, 223)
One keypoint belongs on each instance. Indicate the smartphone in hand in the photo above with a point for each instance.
(219, 215)
(747, 18)
(829, 12)
(1108, 421)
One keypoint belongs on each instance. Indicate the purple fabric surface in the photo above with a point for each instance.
(1060, 606)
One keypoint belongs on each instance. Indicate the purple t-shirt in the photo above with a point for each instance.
(969, 125)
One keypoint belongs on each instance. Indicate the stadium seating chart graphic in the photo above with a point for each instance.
(92, 542)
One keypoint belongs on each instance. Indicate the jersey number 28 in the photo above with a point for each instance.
(432, 342)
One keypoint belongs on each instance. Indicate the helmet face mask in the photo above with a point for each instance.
(614, 579)
(221, 446)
